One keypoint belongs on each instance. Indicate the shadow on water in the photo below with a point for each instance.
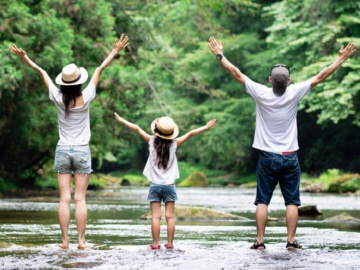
(30, 234)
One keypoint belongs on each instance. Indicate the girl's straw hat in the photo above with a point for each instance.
(72, 75)
(164, 127)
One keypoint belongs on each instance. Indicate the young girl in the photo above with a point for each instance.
(72, 155)
(162, 170)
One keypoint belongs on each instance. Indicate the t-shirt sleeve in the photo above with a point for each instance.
(89, 92)
(54, 94)
(302, 88)
(253, 88)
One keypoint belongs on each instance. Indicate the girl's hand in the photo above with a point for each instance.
(121, 44)
(17, 51)
(118, 118)
(211, 123)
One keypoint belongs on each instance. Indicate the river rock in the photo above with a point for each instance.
(309, 210)
(199, 213)
(343, 217)
(196, 179)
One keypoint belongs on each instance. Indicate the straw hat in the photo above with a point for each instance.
(164, 127)
(72, 75)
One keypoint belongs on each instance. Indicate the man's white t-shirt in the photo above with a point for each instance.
(161, 176)
(74, 129)
(276, 125)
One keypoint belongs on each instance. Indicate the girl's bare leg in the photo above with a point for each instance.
(155, 222)
(170, 221)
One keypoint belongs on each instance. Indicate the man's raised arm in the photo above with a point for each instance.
(344, 54)
(217, 49)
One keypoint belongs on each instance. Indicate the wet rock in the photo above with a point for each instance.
(309, 210)
(199, 213)
(343, 217)
(196, 179)
(312, 188)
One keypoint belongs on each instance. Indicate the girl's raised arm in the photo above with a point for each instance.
(133, 127)
(191, 133)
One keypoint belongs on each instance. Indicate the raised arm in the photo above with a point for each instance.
(344, 54)
(118, 46)
(133, 127)
(191, 133)
(22, 54)
(217, 49)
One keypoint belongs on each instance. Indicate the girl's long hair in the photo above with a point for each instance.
(162, 148)
(70, 93)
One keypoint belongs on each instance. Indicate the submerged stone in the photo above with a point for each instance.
(343, 217)
(188, 212)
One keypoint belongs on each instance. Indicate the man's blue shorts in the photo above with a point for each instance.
(276, 168)
(165, 193)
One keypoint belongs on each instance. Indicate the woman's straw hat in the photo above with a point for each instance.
(72, 75)
(164, 127)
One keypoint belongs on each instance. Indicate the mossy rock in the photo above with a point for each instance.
(196, 213)
(345, 183)
(196, 179)
(343, 217)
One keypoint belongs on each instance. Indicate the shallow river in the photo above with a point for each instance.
(30, 234)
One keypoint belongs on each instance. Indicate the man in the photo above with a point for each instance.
(276, 136)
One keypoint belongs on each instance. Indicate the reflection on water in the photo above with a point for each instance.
(30, 234)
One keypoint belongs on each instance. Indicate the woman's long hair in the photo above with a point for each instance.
(162, 148)
(70, 93)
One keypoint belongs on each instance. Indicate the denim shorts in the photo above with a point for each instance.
(273, 169)
(72, 159)
(162, 193)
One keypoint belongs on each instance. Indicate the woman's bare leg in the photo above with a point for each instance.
(64, 180)
(81, 185)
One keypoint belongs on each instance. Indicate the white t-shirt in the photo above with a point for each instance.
(276, 125)
(74, 129)
(161, 176)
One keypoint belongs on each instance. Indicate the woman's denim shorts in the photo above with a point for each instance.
(72, 159)
(162, 193)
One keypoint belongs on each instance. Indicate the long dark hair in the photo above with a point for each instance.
(70, 93)
(162, 148)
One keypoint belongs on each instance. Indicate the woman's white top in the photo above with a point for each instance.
(161, 176)
(74, 129)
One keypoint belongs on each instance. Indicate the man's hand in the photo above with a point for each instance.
(345, 53)
(121, 44)
(216, 48)
(17, 51)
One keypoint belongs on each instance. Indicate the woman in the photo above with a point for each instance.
(72, 155)
(162, 170)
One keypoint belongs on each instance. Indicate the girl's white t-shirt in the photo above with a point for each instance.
(74, 129)
(161, 176)
(276, 125)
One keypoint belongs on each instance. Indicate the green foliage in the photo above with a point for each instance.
(169, 70)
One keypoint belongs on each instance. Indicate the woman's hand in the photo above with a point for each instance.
(121, 43)
(17, 51)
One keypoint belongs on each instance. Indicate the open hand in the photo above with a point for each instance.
(120, 44)
(118, 118)
(211, 123)
(348, 51)
(215, 47)
(17, 51)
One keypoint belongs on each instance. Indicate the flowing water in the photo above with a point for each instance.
(30, 234)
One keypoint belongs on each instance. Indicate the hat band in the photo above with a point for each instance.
(78, 78)
(156, 130)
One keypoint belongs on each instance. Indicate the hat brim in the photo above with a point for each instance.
(168, 137)
(83, 78)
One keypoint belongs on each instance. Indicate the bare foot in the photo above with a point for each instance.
(65, 243)
(85, 245)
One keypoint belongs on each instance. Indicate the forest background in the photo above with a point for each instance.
(168, 70)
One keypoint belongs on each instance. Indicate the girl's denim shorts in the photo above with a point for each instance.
(162, 193)
(72, 159)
